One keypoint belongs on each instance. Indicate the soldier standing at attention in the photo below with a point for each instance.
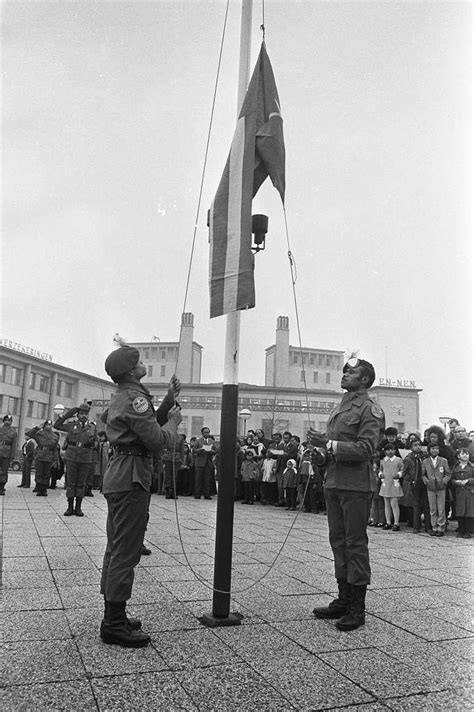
(7, 449)
(135, 432)
(45, 455)
(354, 431)
(81, 438)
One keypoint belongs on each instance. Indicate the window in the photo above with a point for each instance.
(29, 410)
(154, 353)
(320, 360)
(163, 371)
(328, 378)
(302, 375)
(162, 353)
(197, 422)
(43, 384)
(146, 353)
(150, 371)
(315, 377)
(67, 389)
(295, 357)
(32, 384)
(3, 370)
(13, 405)
(42, 410)
(311, 360)
(328, 361)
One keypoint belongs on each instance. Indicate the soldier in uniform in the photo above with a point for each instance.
(45, 455)
(28, 454)
(7, 449)
(134, 432)
(80, 440)
(354, 431)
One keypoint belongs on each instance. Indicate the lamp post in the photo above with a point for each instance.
(444, 420)
(245, 415)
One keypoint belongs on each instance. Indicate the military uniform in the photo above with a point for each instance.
(81, 438)
(356, 425)
(45, 455)
(8, 437)
(134, 435)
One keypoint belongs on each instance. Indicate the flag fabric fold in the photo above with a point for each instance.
(257, 151)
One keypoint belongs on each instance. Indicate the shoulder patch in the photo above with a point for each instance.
(140, 405)
(376, 410)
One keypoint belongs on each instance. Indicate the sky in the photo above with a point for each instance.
(106, 114)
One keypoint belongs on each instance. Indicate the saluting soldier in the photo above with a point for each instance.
(134, 432)
(45, 454)
(8, 436)
(81, 438)
(354, 431)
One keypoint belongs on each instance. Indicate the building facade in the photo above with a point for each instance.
(301, 388)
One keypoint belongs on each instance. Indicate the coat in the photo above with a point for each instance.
(47, 442)
(356, 425)
(204, 457)
(463, 494)
(250, 471)
(435, 478)
(7, 441)
(133, 425)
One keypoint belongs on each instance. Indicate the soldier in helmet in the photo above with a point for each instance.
(80, 440)
(7, 449)
(135, 432)
(354, 431)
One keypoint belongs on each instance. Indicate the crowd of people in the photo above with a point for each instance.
(422, 481)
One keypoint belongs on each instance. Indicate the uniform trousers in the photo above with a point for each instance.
(126, 523)
(76, 478)
(42, 472)
(26, 471)
(4, 463)
(348, 514)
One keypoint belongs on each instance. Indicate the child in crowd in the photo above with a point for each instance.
(290, 482)
(250, 473)
(436, 475)
(463, 483)
(390, 473)
(412, 480)
(377, 508)
(305, 479)
(269, 491)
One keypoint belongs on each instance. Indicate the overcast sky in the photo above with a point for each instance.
(106, 110)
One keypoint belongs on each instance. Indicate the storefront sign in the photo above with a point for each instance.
(25, 349)
(396, 383)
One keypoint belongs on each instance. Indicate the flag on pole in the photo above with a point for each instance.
(257, 151)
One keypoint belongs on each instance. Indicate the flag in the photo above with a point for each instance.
(257, 151)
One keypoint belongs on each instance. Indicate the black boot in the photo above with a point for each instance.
(88, 492)
(42, 491)
(134, 623)
(115, 629)
(70, 507)
(356, 615)
(339, 606)
(78, 511)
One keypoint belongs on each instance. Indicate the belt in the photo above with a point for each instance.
(132, 450)
(87, 445)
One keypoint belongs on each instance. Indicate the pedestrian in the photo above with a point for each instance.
(463, 483)
(412, 480)
(28, 454)
(462, 440)
(436, 475)
(390, 489)
(250, 474)
(134, 432)
(269, 490)
(290, 483)
(45, 455)
(354, 431)
(8, 436)
(81, 438)
(185, 473)
(204, 451)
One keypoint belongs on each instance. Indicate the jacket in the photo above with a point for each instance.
(435, 477)
(7, 441)
(80, 439)
(463, 494)
(356, 425)
(132, 424)
(47, 442)
(204, 457)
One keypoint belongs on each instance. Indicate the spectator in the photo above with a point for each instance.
(204, 451)
(289, 450)
(305, 479)
(172, 460)
(462, 440)
(390, 489)
(269, 491)
(391, 436)
(377, 508)
(185, 477)
(452, 424)
(463, 482)
(290, 482)
(250, 475)
(412, 478)
(436, 475)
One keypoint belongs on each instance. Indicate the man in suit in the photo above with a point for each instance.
(436, 475)
(204, 450)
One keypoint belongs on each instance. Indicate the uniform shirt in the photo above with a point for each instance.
(80, 439)
(357, 424)
(7, 440)
(47, 442)
(132, 423)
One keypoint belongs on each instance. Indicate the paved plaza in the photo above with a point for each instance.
(414, 653)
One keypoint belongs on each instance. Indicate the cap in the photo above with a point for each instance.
(84, 406)
(47, 422)
(7, 419)
(121, 360)
(292, 463)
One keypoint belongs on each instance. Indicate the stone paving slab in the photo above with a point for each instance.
(415, 652)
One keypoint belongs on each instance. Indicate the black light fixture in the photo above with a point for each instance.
(259, 230)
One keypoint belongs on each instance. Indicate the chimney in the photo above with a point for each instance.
(185, 357)
(282, 352)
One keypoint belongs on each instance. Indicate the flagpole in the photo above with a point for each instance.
(221, 615)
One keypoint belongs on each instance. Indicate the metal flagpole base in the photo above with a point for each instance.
(212, 621)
